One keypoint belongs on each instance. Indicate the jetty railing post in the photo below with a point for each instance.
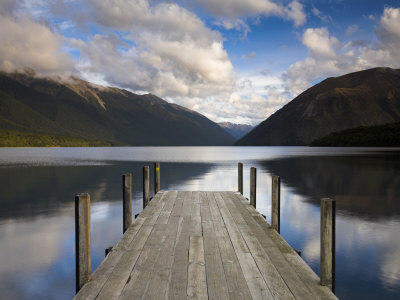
(82, 240)
(253, 186)
(328, 207)
(156, 177)
(146, 186)
(240, 178)
(127, 201)
(276, 203)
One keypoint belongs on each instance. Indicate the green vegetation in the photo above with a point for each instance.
(387, 135)
(76, 108)
(10, 138)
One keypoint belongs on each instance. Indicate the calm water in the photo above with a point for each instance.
(38, 185)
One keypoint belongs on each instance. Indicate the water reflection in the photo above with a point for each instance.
(365, 186)
(37, 226)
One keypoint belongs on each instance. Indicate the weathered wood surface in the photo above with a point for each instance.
(276, 203)
(82, 240)
(202, 245)
(157, 182)
(253, 186)
(127, 201)
(328, 243)
(240, 178)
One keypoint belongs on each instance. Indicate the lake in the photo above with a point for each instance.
(38, 185)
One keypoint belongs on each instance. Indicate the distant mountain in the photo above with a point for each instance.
(81, 110)
(236, 130)
(365, 98)
(387, 135)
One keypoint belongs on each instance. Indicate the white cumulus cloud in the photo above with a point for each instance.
(329, 57)
(232, 13)
(25, 43)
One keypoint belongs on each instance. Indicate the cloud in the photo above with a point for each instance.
(164, 49)
(351, 29)
(239, 8)
(230, 12)
(329, 57)
(294, 11)
(389, 32)
(318, 41)
(26, 43)
(317, 13)
(249, 56)
(7, 7)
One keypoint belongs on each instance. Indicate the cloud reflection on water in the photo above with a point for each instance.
(37, 233)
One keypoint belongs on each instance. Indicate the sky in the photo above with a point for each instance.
(232, 60)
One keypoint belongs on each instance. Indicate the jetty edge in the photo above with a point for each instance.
(206, 245)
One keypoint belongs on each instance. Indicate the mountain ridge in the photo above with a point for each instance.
(79, 109)
(236, 130)
(363, 98)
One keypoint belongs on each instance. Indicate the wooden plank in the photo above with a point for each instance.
(255, 281)
(219, 225)
(309, 278)
(197, 282)
(178, 204)
(167, 208)
(120, 275)
(179, 274)
(276, 284)
(141, 275)
(91, 289)
(216, 281)
(151, 247)
(270, 274)
(187, 203)
(237, 240)
(285, 269)
(210, 245)
(257, 286)
(158, 287)
(237, 285)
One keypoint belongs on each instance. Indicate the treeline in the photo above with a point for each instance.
(10, 138)
(387, 135)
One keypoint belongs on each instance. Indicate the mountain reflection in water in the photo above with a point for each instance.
(37, 189)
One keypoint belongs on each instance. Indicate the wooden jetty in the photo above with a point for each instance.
(200, 245)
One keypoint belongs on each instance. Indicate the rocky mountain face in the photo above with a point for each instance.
(236, 130)
(76, 108)
(365, 98)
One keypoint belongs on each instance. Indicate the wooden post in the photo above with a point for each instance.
(146, 186)
(156, 177)
(276, 203)
(127, 201)
(328, 207)
(253, 186)
(108, 250)
(240, 178)
(82, 240)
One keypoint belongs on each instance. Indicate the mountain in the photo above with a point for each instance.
(387, 135)
(78, 109)
(365, 98)
(236, 130)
